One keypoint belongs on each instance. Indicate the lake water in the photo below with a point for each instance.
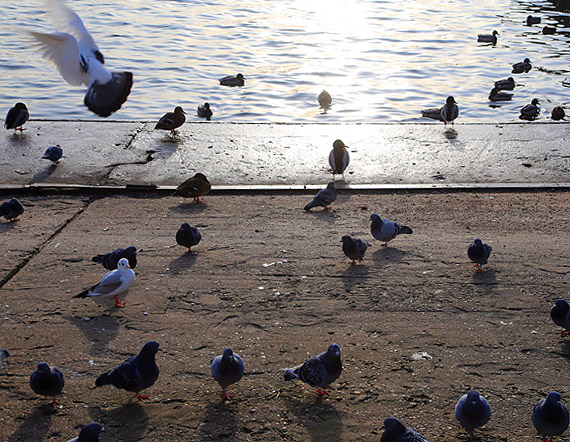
(382, 61)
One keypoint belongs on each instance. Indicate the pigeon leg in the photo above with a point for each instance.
(54, 402)
(226, 395)
(478, 268)
(174, 132)
(13, 220)
(322, 391)
(198, 199)
(118, 303)
(140, 397)
(329, 208)
(564, 333)
(189, 250)
(353, 262)
(21, 129)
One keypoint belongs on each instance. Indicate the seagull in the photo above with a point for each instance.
(16, 117)
(325, 100)
(172, 120)
(47, 381)
(396, 431)
(488, 38)
(114, 283)
(111, 260)
(557, 113)
(498, 95)
(560, 314)
(188, 236)
(81, 62)
(450, 110)
(227, 369)
(386, 230)
(523, 66)
(472, 411)
(3, 355)
(89, 433)
(136, 373)
(507, 84)
(54, 154)
(11, 210)
(324, 197)
(550, 416)
(194, 187)
(478, 252)
(230, 80)
(339, 158)
(530, 111)
(204, 111)
(354, 248)
(320, 371)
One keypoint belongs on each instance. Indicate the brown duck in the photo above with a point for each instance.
(194, 187)
(172, 120)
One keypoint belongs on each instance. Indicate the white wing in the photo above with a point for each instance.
(113, 283)
(67, 20)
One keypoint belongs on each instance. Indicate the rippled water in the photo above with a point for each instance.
(381, 61)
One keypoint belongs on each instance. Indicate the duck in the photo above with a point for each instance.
(488, 38)
(530, 20)
(434, 113)
(172, 120)
(507, 84)
(230, 80)
(497, 95)
(557, 113)
(16, 117)
(522, 66)
(339, 158)
(549, 30)
(530, 111)
(204, 111)
(194, 187)
(449, 111)
(325, 100)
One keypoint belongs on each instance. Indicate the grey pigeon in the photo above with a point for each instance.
(550, 417)
(11, 210)
(324, 197)
(89, 433)
(449, 111)
(111, 259)
(188, 236)
(47, 381)
(479, 252)
(136, 373)
(396, 431)
(354, 248)
(54, 154)
(320, 371)
(227, 369)
(3, 355)
(386, 230)
(472, 411)
(560, 314)
(16, 117)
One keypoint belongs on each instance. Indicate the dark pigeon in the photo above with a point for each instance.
(89, 433)
(478, 252)
(54, 154)
(227, 369)
(396, 431)
(354, 248)
(560, 314)
(11, 210)
(3, 355)
(550, 417)
(47, 381)
(111, 259)
(472, 411)
(324, 197)
(188, 236)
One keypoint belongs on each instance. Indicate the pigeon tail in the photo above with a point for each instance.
(312, 204)
(104, 99)
(291, 375)
(405, 230)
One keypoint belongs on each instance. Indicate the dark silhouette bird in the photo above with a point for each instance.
(136, 373)
(530, 20)
(111, 259)
(354, 248)
(194, 187)
(3, 355)
(396, 431)
(339, 158)
(89, 433)
(549, 30)
(472, 411)
(530, 111)
(325, 100)
(11, 209)
(450, 110)
(557, 113)
(204, 111)
(54, 154)
(497, 95)
(507, 84)
(16, 117)
(522, 66)
(488, 38)
(230, 80)
(188, 236)
(386, 230)
(478, 252)
(324, 197)
(550, 416)
(433, 112)
(172, 120)
(227, 369)
(560, 314)
(47, 381)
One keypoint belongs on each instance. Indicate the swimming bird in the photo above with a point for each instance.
(319, 371)
(497, 95)
(227, 369)
(557, 113)
(230, 80)
(204, 111)
(549, 30)
(472, 411)
(3, 355)
(530, 111)
(530, 20)
(47, 381)
(136, 373)
(488, 38)
(11, 209)
(114, 283)
(89, 433)
(396, 431)
(450, 110)
(325, 100)
(324, 197)
(16, 117)
(507, 84)
(478, 252)
(522, 66)
(81, 62)
(111, 260)
(354, 248)
(560, 315)
(188, 236)
(339, 158)
(194, 187)
(172, 120)
(550, 416)
(434, 113)
(386, 230)
(54, 154)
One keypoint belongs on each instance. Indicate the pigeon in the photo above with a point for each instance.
(472, 411)
(114, 283)
(11, 210)
(530, 111)
(550, 417)
(325, 100)
(557, 113)
(136, 373)
(354, 248)
(194, 187)
(396, 431)
(478, 252)
(3, 355)
(54, 154)
(324, 197)
(434, 113)
(386, 230)
(230, 80)
(204, 111)
(16, 117)
(188, 236)
(498, 95)
(530, 20)
(47, 381)
(111, 260)
(227, 369)
(560, 314)
(507, 84)
(89, 433)
(81, 62)
(320, 371)
(488, 38)
(450, 110)
(172, 120)
(522, 66)
(339, 158)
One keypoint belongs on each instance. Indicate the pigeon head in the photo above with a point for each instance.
(553, 397)
(473, 397)
(477, 242)
(374, 218)
(151, 348)
(331, 186)
(44, 367)
(562, 305)
(132, 250)
(393, 429)
(90, 432)
(3, 350)
(334, 350)
(228, 353)
(185, 226)
(123, 264)
(346, 239)
(338, 144)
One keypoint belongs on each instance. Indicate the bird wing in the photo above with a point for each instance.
(111, 284)
(312, 372)
(67, 20)
(126, 375)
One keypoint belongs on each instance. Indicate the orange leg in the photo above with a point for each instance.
(140, 397)
(118, 303)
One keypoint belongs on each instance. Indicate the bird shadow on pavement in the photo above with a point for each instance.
(386, 254)
(36, 425)
(319, 417)
(485, 280)
(182, 263)
(126, 423)
(99, 330)
(323, 215)
(354, 275)
(565, 349)
(219, 422)
(43, 174)
(6, 226)
(189, 208)
(20, 139)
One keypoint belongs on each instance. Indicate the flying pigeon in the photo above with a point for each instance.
(354, 248)
(11, 210)
(325, 100)
(324, 197)
(396, 431)
(386, 230)
(320, 371)
(194, 187)
(339, 158)
(54, 154)
(204, 111)
(172, 120)
(111, 259)
(16, 117)
(227, 369)
(449, 111)
(188, 236)
(472, 411)
(230, 80)
(522, 66)
(3, 355)
(550, 417)
(478, 252)
(47, 381)
(89, 433)
(81, 62)
(560, 314)
(136, 373)
(114, 283)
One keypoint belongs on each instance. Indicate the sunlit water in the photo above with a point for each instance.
(382, 61)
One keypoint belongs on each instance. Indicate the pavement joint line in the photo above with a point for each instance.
(112, 167)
